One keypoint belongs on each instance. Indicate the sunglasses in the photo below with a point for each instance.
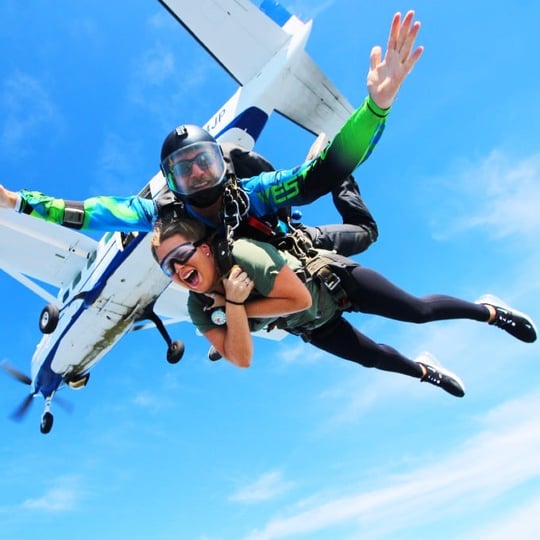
(178, 255)
(184, 167)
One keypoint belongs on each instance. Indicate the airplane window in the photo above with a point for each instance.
(128, 237)
(91, 259)
(76, 280)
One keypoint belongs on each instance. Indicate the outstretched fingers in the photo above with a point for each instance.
(375, 57)
(386, 75)
(402, 37)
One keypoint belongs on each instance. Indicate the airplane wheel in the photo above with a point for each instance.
(48, 319)
(214, 354)
(46, 422)
(175, 352)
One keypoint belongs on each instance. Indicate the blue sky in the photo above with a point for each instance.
(302, 445)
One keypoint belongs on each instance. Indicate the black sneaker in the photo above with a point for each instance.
(514, 322)
(438, 376)
(213, 354)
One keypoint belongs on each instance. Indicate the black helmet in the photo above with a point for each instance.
(185, 147)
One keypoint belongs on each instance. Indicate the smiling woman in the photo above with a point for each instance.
(263, 290)
(178, 255)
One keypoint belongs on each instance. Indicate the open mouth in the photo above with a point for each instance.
(191, 278)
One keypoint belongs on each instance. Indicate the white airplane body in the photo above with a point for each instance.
(106, 288)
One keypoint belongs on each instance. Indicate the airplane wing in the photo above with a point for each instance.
(242, 38)
(32, 249)
(235, 32)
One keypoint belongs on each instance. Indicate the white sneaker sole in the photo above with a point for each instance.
(429, 360)
(493, 300)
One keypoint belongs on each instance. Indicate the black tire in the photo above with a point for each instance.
(48, 320)
(213, 354)
(175, 352)
(46, 422)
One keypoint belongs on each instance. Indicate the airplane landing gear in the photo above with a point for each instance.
(46, 422)
(47, 417)
(175, 351)
(48, 320)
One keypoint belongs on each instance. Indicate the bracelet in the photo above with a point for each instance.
(234, 303)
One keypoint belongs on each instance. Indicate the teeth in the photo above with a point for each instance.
(189, 276)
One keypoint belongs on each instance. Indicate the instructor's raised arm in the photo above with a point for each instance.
(386, 75)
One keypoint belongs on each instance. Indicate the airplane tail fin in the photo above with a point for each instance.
(263, 50)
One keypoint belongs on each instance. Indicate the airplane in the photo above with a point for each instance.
(109, 287)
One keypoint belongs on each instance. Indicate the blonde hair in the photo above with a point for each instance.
(190, 229)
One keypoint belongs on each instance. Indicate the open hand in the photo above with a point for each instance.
(386, 76)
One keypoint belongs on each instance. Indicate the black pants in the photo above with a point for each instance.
(372, 293)
(358, 230)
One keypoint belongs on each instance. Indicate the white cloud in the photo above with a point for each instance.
(118, 165)
(162, 84)
(521, 523)
(147, 400)
(498, 194)
(28, 112)
(62, 497)
(503, 456)
(268, 486)
(299, 352)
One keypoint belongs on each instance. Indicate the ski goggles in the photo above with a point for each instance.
(184, 167)
(178, 255)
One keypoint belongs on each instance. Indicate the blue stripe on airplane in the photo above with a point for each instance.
(252, 121)
(275, 11)
(47, 381)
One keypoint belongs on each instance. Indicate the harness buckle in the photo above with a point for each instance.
(331, 281)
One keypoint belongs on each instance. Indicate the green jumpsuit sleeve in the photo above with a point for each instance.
(103, 213)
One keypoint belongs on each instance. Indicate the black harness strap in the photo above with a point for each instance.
(313, 264)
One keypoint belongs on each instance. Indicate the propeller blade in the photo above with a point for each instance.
(21, 377)
(64, 403)
(20, 412)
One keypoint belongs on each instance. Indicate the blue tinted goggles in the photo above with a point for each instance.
(178, 255)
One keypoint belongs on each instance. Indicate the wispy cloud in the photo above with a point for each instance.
(522, 522)
(299, 352)
(161, 84)
(118, 165)
(498, 194)
(268, 486)
(61, 497)
(505, 454)
(150, 401)
(27, 109)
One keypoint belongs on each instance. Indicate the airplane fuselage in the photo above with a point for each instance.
(98, 308)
